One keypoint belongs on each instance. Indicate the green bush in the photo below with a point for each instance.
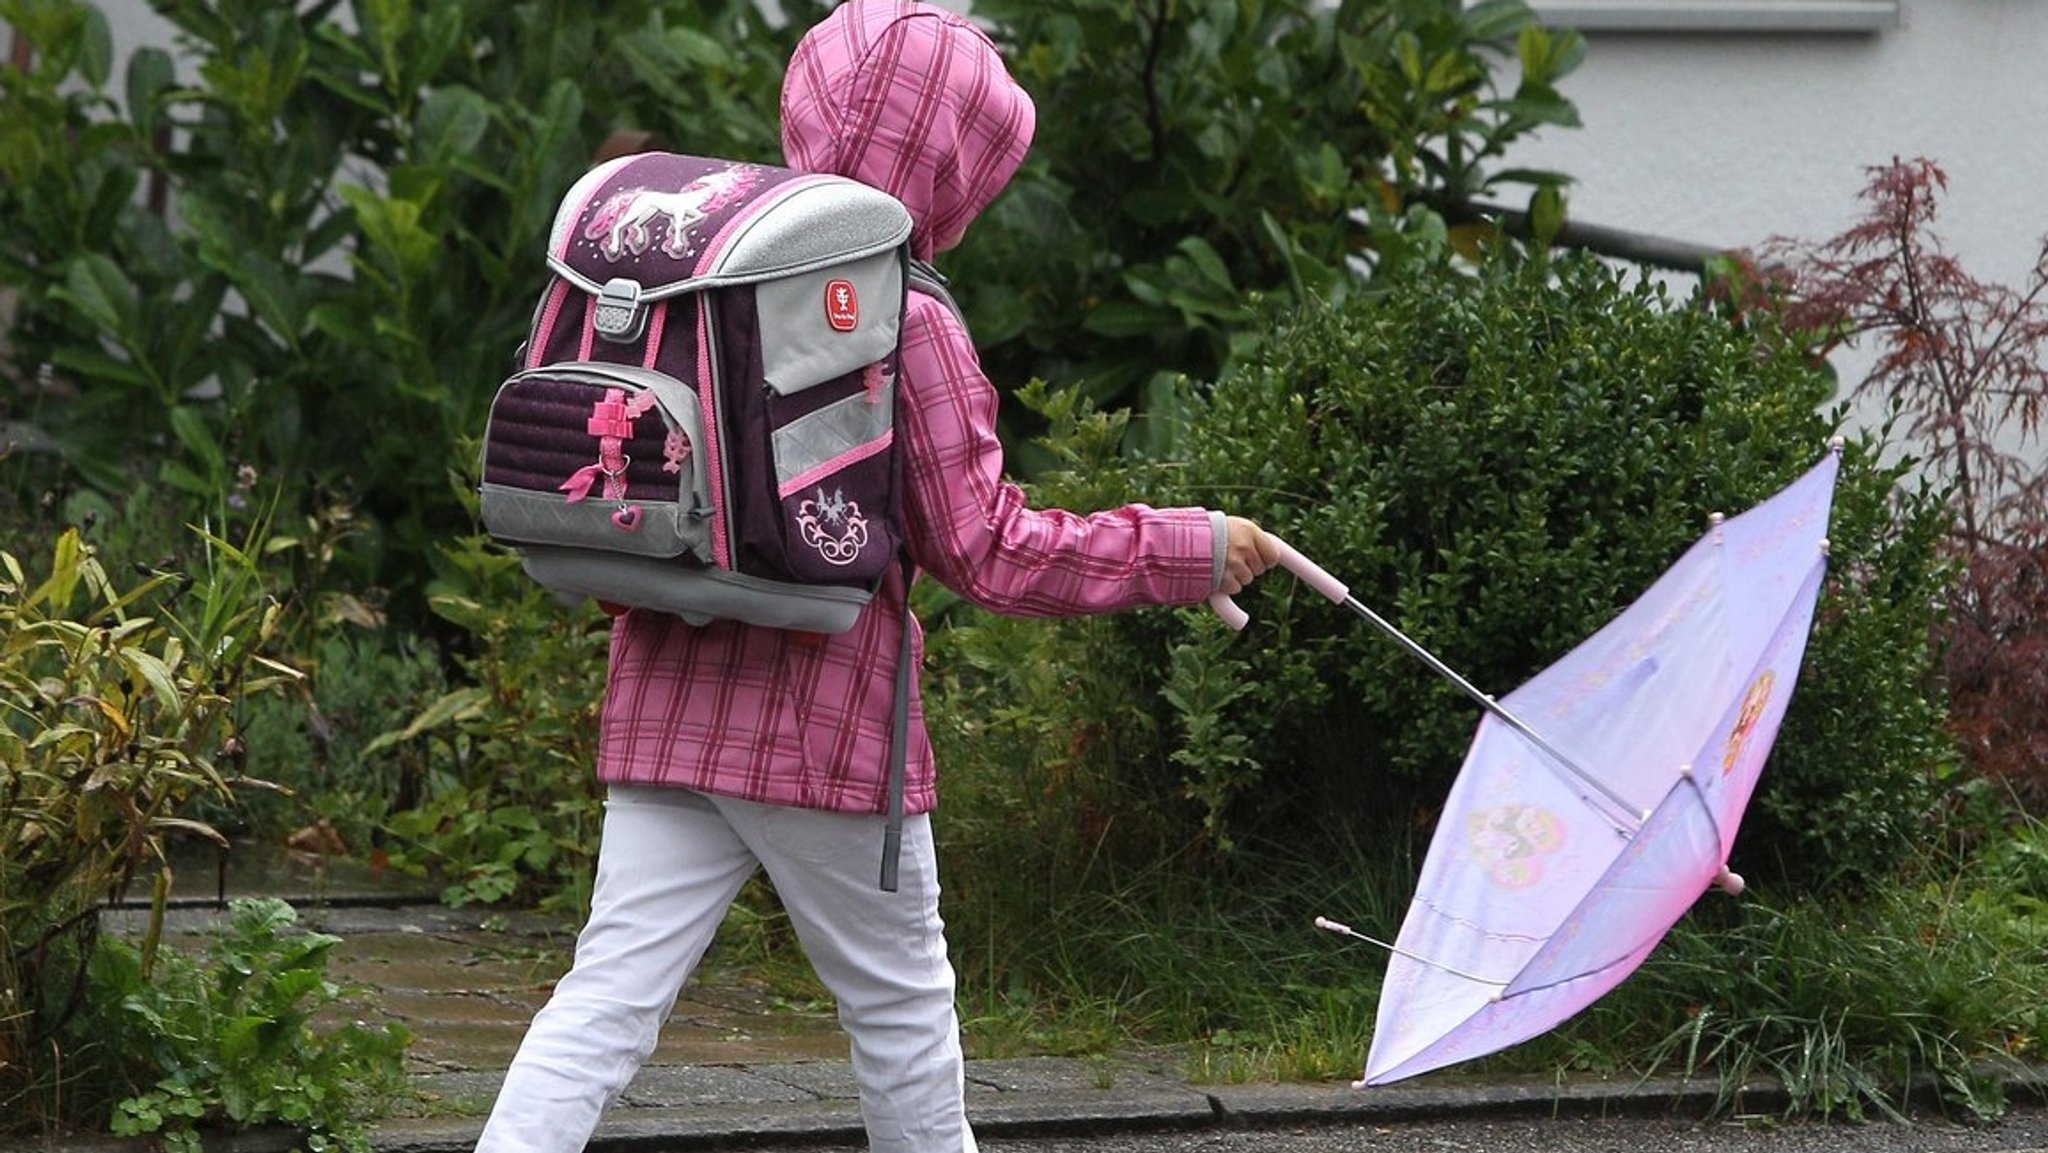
(1500, 466)
(1190, 153)
(228, 1040)
(1497, 465)
(318, 745)
(507, 805)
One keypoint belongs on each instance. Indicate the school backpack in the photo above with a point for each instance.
(702, 421)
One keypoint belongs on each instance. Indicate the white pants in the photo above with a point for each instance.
(670, 863)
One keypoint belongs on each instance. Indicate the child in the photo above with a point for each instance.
(730, 748)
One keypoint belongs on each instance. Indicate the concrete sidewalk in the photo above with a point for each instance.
(739, 1067)
(735, 1068)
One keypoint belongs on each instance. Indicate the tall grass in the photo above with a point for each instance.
(1851, 1002)
(1227, 969)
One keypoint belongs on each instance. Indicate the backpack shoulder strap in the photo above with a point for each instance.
(928, 280)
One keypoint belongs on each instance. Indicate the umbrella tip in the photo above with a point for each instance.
(1730, 882)
(1835, 444)
(1825, 547)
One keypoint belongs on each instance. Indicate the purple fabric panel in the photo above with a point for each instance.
(768, 531)
(538, 440)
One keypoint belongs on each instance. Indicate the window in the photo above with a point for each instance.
(1719, 15)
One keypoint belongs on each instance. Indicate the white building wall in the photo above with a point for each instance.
(1730, 139)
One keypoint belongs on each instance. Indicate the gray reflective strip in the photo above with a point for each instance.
(662, 529)
(812, 441)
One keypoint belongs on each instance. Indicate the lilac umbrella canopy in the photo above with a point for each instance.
(1600, 799)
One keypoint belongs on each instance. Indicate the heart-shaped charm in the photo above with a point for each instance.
(627, 518)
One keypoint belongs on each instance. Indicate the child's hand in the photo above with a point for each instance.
(1248, 551)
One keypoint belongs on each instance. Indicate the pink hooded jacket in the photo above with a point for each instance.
(913, 100)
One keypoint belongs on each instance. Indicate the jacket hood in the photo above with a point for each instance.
(911, 99)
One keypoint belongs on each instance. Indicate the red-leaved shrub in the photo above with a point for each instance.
(1961, 362)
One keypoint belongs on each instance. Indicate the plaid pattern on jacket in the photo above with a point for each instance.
(913, 100)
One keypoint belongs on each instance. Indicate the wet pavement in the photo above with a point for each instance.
(742, 1065)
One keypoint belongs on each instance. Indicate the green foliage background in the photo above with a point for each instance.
(1497, 464)
(290, 264)
(322, 224)
(314, 252)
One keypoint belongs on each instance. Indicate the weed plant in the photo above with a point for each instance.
(506, 805)
(226, 1039)
(1926, 990)
(118, 698)
(316, 745)
(1228, 974)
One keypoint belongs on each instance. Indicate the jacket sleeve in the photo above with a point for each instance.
(973, 531)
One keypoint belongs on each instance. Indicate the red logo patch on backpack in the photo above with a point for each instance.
(842, 306)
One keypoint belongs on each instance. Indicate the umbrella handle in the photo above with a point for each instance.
(1309, 572)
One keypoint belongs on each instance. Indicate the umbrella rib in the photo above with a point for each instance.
(1507, 717)
(1348, 931)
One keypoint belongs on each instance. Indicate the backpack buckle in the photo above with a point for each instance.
(618, 315)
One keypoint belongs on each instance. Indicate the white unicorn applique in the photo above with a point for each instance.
(622, 223)
(834, 526)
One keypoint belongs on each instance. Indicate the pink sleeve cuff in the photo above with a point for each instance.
(1218, 550)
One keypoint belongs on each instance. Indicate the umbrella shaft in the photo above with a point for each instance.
(1499, 710)
(1347, 931)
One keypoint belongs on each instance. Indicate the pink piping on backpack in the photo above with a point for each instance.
(872, 381)
(811, 476)
(655, 324)
(675, 448)
(721, 548)
(550, 312)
